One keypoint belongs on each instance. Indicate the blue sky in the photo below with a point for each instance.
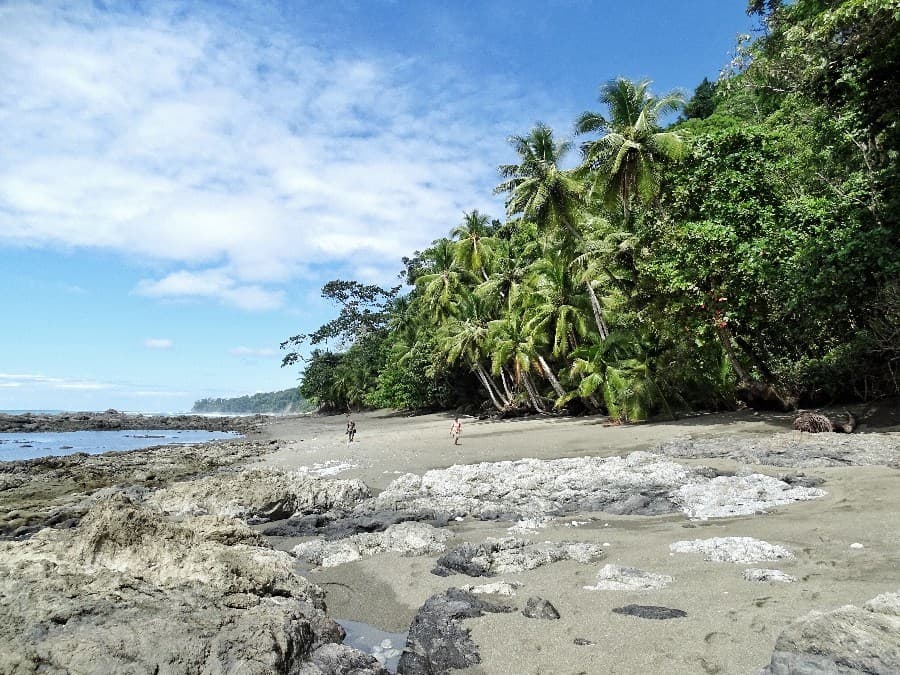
(178, 180)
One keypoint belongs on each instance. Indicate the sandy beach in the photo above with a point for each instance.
(731, 624)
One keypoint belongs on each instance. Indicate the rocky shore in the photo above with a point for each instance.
(114, 420)
(254, 551)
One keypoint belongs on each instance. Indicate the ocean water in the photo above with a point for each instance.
(18, 445)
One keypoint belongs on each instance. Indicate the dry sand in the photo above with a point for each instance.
(731, 624)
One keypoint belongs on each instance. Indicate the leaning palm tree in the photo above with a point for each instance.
(544, 193)
(474, 243)
(511, 343)
(625, 161)
(466, 340)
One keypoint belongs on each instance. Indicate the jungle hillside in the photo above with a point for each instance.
(668, 252)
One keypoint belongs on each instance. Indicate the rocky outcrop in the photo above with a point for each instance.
(437, 641)
(52, 491)
(619, 578)
(510, 555)
(259, 495)
(724, 496)
(789, 449)
(639, 484)
(407, 539)
(732, 549)
(113, 420)
(845, 640)
(128, 590)
(333, 525)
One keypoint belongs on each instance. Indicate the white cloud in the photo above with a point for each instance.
(212, 283)
(264, 352)
(152, 393)
(235, 159)
(45, 382)
(158, 343)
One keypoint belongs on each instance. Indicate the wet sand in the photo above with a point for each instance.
(731, 624)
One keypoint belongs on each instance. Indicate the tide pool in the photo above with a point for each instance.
(19, 445)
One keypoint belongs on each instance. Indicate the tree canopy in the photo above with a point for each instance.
(748, 249)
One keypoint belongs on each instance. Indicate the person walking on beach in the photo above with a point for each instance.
(351, 431)
(455, 431)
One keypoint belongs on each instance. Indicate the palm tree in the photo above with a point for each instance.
(537, 187)
(625, 161)
(553, 306)
(445, 287)
(474, 243)
(466, 340)
(544, 193)
(511, 341)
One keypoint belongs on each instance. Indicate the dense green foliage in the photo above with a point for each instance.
(286, 401)
(750, 250)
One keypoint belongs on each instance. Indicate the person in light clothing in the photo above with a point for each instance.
(455, 431)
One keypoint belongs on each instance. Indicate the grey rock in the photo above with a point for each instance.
(258, 495)
(330, 659)
(129, 590)
(113, 419)
(732, 549)
(437, 641)
(847, 640)
(538, 608)
(41, 492)
(619, 578)
(786, 449)
(510, 555)
(768, 576)
(651, 612)
(407, 539)
(528, 489)
(332, 525)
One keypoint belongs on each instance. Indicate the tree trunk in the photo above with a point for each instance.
(551, 377)
(532, 393)
(598, 316)
(486, 382)
(728, 345)
(505, 377)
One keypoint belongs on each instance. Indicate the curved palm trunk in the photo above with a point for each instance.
(532, 393)
(598, 315)
(595, 303)
(505, 377)
(551, 377)
(489, 385)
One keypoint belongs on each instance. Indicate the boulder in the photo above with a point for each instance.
(437, 641)
(846, 640)
(538, 608)
(510, 555)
